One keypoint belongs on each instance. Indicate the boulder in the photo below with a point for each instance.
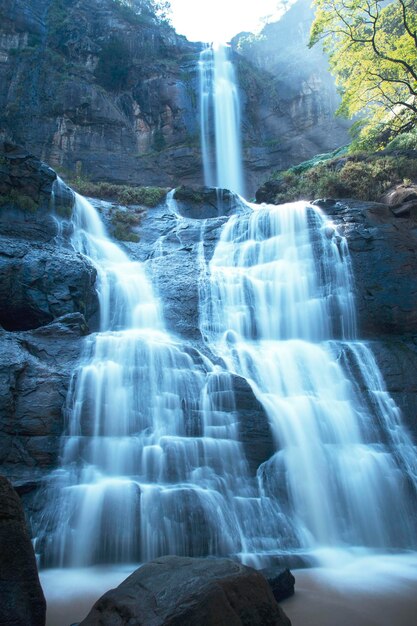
(182, 591)
(41, 282)
(22, 600)
(399, 194)
(403, 200)
(282, 583)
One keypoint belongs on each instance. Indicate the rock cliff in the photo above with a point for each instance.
(47, 292)
(96, 90)
(108, 93)
(289, 96)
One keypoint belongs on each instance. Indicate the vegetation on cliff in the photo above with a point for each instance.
(372, 48)
(363, 176)
(124, 194)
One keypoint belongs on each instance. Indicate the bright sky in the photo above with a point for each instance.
(219, 20)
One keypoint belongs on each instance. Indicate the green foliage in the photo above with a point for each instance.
(187, 194)
(365, 177)
(406, 141)
(125, 194)
(122, 223)
(372, 47)
(19, 200)
(319, 158)
(113, 65)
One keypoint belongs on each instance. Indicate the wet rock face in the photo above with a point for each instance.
(254, 429)
(41, 277)
(41, 283)
(35, 372)
(383, 249)
(181, 591)
(22, 600)
(47, 291)
(397, 359)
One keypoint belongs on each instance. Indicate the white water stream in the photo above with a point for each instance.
(151, 460)
(220, 120)
(279, 310)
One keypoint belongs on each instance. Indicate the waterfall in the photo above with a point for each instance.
(151, 462)
(279, 309)
(220, 120)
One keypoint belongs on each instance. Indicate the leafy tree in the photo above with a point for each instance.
(372, 47)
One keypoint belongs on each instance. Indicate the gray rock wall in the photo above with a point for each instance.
(128, 112)
(47, 291)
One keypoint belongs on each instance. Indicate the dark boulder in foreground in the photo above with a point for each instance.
(22, 602)
(281, 582)
(183, 591)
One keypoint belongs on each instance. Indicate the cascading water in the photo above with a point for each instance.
(151, 459)
(220, 120)
(278, 296)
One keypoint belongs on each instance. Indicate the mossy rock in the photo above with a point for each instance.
(18, 200)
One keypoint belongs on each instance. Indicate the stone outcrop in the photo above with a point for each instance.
(282, 583)
(39, 284)
(22, 600)
(47, 291)
(403, 200)
(181, 591)
(41, 276)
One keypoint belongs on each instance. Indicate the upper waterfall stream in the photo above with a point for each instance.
(220, 120)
